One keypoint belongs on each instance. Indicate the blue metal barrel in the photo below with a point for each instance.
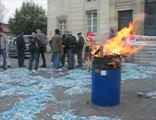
(106, 84)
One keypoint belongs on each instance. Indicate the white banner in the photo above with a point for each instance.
(141, 40)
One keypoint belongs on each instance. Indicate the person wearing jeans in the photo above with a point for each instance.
(34, 56)
(71, 60)
(34, 52)
(71, 50)
(57, 47)
(3, 47)
(43, 43)
(4, 55)
(7, 60)
(57, 57)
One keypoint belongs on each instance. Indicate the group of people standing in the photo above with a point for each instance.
(66, 45)
(63, 46)
(37, 47)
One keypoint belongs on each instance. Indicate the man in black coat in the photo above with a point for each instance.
(64, 50)
(80, 45)
(71, 49)
(20, 44)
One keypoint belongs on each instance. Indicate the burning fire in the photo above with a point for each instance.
(117, 45)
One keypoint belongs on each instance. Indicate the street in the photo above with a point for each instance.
(111, 77)
(49, 95)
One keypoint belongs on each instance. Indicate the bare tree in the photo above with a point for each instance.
(2, 11)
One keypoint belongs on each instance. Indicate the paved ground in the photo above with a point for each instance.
(59, 96)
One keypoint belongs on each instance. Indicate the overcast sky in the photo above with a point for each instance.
(11, 6)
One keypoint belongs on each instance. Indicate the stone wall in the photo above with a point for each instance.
(121, 5)
(75, 12)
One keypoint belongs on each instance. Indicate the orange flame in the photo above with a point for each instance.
(117, 45)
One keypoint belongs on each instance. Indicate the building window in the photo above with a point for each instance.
(150, 21)
(124, 18)
(62, 25)
(92, 21)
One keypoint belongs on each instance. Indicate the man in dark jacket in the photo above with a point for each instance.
(80, 45)
(71, 49)
(57, 47)
(64, 50)
(43, 42)
(20, 44)
(34, 52)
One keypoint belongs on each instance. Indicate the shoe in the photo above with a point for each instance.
(23, 66)
(9, 66)
(78, 66)
(63, 67)
(43, 66)
(4, 68)
(28, 70)
(59, 70)
(70, 68)
(34, 71)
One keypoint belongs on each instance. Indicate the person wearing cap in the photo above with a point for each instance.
(71, 46)
(43, 43)
(3, 47)
(80, 45)
(57, 47)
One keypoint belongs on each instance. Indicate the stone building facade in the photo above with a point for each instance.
(99, 16)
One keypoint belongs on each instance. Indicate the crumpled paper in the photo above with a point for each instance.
(74, 78)
(27, 108)
(65, 103)
(132, 71)
(147, 94)
(153, 63)
(17, 76)
(39, 90)
(15, 82)
(69, 115)
(77, 90)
